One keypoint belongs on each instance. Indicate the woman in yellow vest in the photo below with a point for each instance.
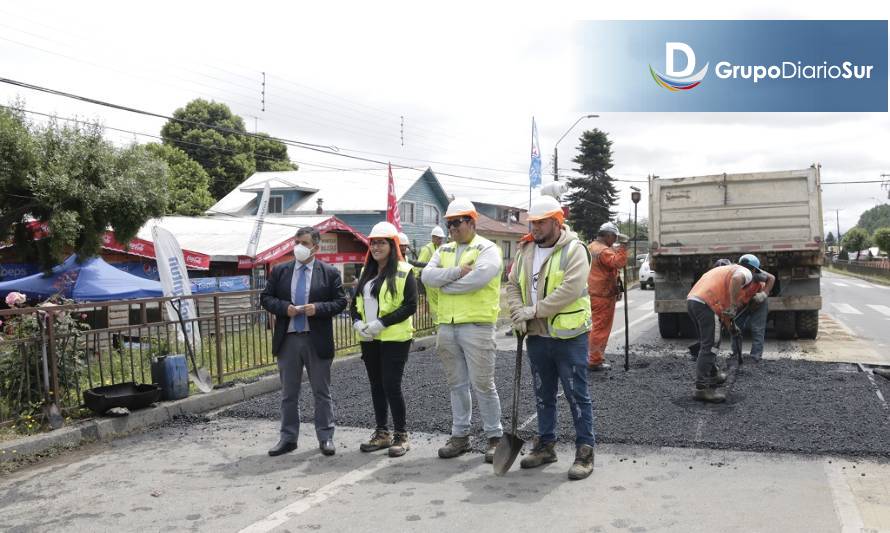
(382, 311)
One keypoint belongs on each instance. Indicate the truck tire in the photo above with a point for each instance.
(807, 324)
(785, 325)
(685, 327)
(667, 325)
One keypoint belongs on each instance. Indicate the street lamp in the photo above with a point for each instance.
(556, 152)
(635, 197)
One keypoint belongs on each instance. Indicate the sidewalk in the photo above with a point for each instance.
(216, 476)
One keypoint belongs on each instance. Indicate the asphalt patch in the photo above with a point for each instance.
(774, 406)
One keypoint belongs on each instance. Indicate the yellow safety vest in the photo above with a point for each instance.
(572, 320)
(480, 306)
(388, 303)
(432, 293)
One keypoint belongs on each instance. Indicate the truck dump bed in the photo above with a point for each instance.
(736, 213)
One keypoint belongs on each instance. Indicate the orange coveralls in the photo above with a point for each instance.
(602, 286)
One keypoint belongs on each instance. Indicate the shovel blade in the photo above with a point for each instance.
(506, 453)
(201, 378)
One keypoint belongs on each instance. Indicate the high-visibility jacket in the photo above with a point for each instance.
(389, 302)
(713, 288)
(573, 319)
(480, 306)
(432, 293)
(605, 262)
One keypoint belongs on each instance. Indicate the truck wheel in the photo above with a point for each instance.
(686, 327)
(807, 324)
(667, 325)
(785, 325)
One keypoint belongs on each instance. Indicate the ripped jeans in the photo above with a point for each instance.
(561, 360)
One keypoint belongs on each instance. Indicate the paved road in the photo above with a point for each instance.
(215, 476)
(862, 306)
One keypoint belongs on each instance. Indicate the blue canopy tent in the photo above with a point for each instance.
(94, 280)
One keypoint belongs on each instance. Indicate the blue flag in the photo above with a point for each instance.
(534, 171)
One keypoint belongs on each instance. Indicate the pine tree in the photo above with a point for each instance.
(594, 194)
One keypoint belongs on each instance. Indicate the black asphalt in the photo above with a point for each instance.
(774, 406)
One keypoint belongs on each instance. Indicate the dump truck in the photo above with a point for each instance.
(775, 215)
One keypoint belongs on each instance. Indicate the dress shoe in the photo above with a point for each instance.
(327, 447)
(282, 447)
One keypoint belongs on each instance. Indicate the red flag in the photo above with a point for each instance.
(392, 205)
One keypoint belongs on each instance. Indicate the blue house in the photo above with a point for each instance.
(357, 197)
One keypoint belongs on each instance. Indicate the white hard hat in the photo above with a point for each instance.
(403, 239)
(437, 232)
(608, 227)
(544, 207)
(383, 230)
(461, 207)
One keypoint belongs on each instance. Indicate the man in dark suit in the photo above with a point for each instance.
(304, 295)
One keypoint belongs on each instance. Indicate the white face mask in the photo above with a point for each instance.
(301, 253)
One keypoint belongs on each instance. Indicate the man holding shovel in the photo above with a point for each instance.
(547, 295)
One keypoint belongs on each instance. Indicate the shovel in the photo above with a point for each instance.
(510, 445)
(51, 407)
(199, 376)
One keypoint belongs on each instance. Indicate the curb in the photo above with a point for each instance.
(105, 429)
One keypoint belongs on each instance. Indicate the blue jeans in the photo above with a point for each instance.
(561, 360)
(754, 320)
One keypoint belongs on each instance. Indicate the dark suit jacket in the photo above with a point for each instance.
(325, 291)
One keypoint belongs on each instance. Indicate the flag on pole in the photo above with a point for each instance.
(392, 206)
(258, 225)
(175, 282)
(534, 171)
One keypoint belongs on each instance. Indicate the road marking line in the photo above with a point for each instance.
(847, 309)
(844, 501)
(839, 284)
(646, 305)
(304, 504)
(862, 285)
(634, 323)
(883, 309)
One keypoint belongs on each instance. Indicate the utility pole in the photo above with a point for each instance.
(635, 197)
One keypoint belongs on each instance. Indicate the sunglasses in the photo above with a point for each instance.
(455, 222)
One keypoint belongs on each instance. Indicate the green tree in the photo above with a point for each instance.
(593, 194)
(856, 239)
(829, 240)
(627, 227)
(271, 155)
(187, 183)
(76, 182)
(881, 238)
(874, 218)
(216, 139)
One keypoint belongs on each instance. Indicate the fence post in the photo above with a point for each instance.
(51, 356)
(218, 339)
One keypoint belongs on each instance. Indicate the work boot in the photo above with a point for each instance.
(709, 394)
(599, 367)
(400, 444)
(583, 465)
(454, 447)
(492, 445)
(380, 440)
(542, 453)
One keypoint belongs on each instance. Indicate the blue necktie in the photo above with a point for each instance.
(299, 298)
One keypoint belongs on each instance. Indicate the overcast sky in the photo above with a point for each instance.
(466, 78)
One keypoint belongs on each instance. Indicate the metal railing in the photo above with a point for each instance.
(52, 354)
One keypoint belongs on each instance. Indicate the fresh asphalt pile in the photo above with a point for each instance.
(774, 406)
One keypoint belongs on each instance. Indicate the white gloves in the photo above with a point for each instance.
(359, 327)
(520, 318)
(758, 299)
(374, 328)
(622, 238)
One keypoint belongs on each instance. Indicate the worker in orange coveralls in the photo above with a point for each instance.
(603, 288)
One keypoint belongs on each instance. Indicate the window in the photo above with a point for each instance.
(430, 215)
(406, 212)
(276, 204)
(506, 248)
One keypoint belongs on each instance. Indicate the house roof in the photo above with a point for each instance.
(342, 191)
(486, 226)
(225, 238)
